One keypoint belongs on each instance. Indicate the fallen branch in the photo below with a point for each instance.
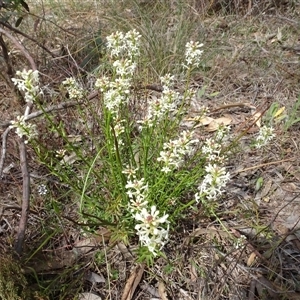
(23, 157)
(20, 47)
(51, 108)
(25, 198)
(5, 24)
(3, 154)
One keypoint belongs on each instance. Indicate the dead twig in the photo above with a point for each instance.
(25, 198)
(23, 157)
(20, 47)
(262, 165)
(51, 108)
(26, 36)
(3, 152)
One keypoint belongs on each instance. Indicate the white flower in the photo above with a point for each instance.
(212, 148)
(102, 83)
(113, 99)
(116, 43)
(120, 44)
(167, 81)
(123, 49)
(193, 54)
(124, 67)
(42, 189)
(29, 84)
(122, 85)
(24, 129)
(137, 204)
(150, 219)
(138, 186)
(136, 191)
(240, 242)
(116, 94)
(130, 172)
(222, 131)
(133, 42)
(175, 151)
(160, 107)
(151, 233)
(213, 183)
(266, 134)
(119, 127)
(73, 88)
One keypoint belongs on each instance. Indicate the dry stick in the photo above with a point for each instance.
(4, 138)
(23, 159)
(25, 198)
(20, 47)
(9, 69)
(51, 108)
(262, 165)
(27, 36)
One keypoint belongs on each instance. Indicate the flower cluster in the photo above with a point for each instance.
(116, 93)
(29, 84)
(42, 189)
(151, 233)
(212, 150)
(124, 68)
(193, 54)
(159, 107)
(136, 191)
(23, 128)
(119, 129)
(266, 134)
(240, 242)
(216, 176)
(175, 150)
(74, 90)
(124, 48)
(121, 44)
(214, 181)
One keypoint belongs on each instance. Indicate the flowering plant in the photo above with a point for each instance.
(144, 169)
(29, 84)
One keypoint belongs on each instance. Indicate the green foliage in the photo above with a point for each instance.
(277, 114)
(134, 175)
(293, 117)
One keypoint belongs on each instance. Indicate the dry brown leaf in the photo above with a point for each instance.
(125, 252)
(206, 120)
(95, 278)
(133, 282)
(214, 125)
(224, 120)
(251, 259)
(185, 295)
(89, 296)
(257, 117)
(203, 120)
(162, 291)
(266, 188)
(193, 272)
